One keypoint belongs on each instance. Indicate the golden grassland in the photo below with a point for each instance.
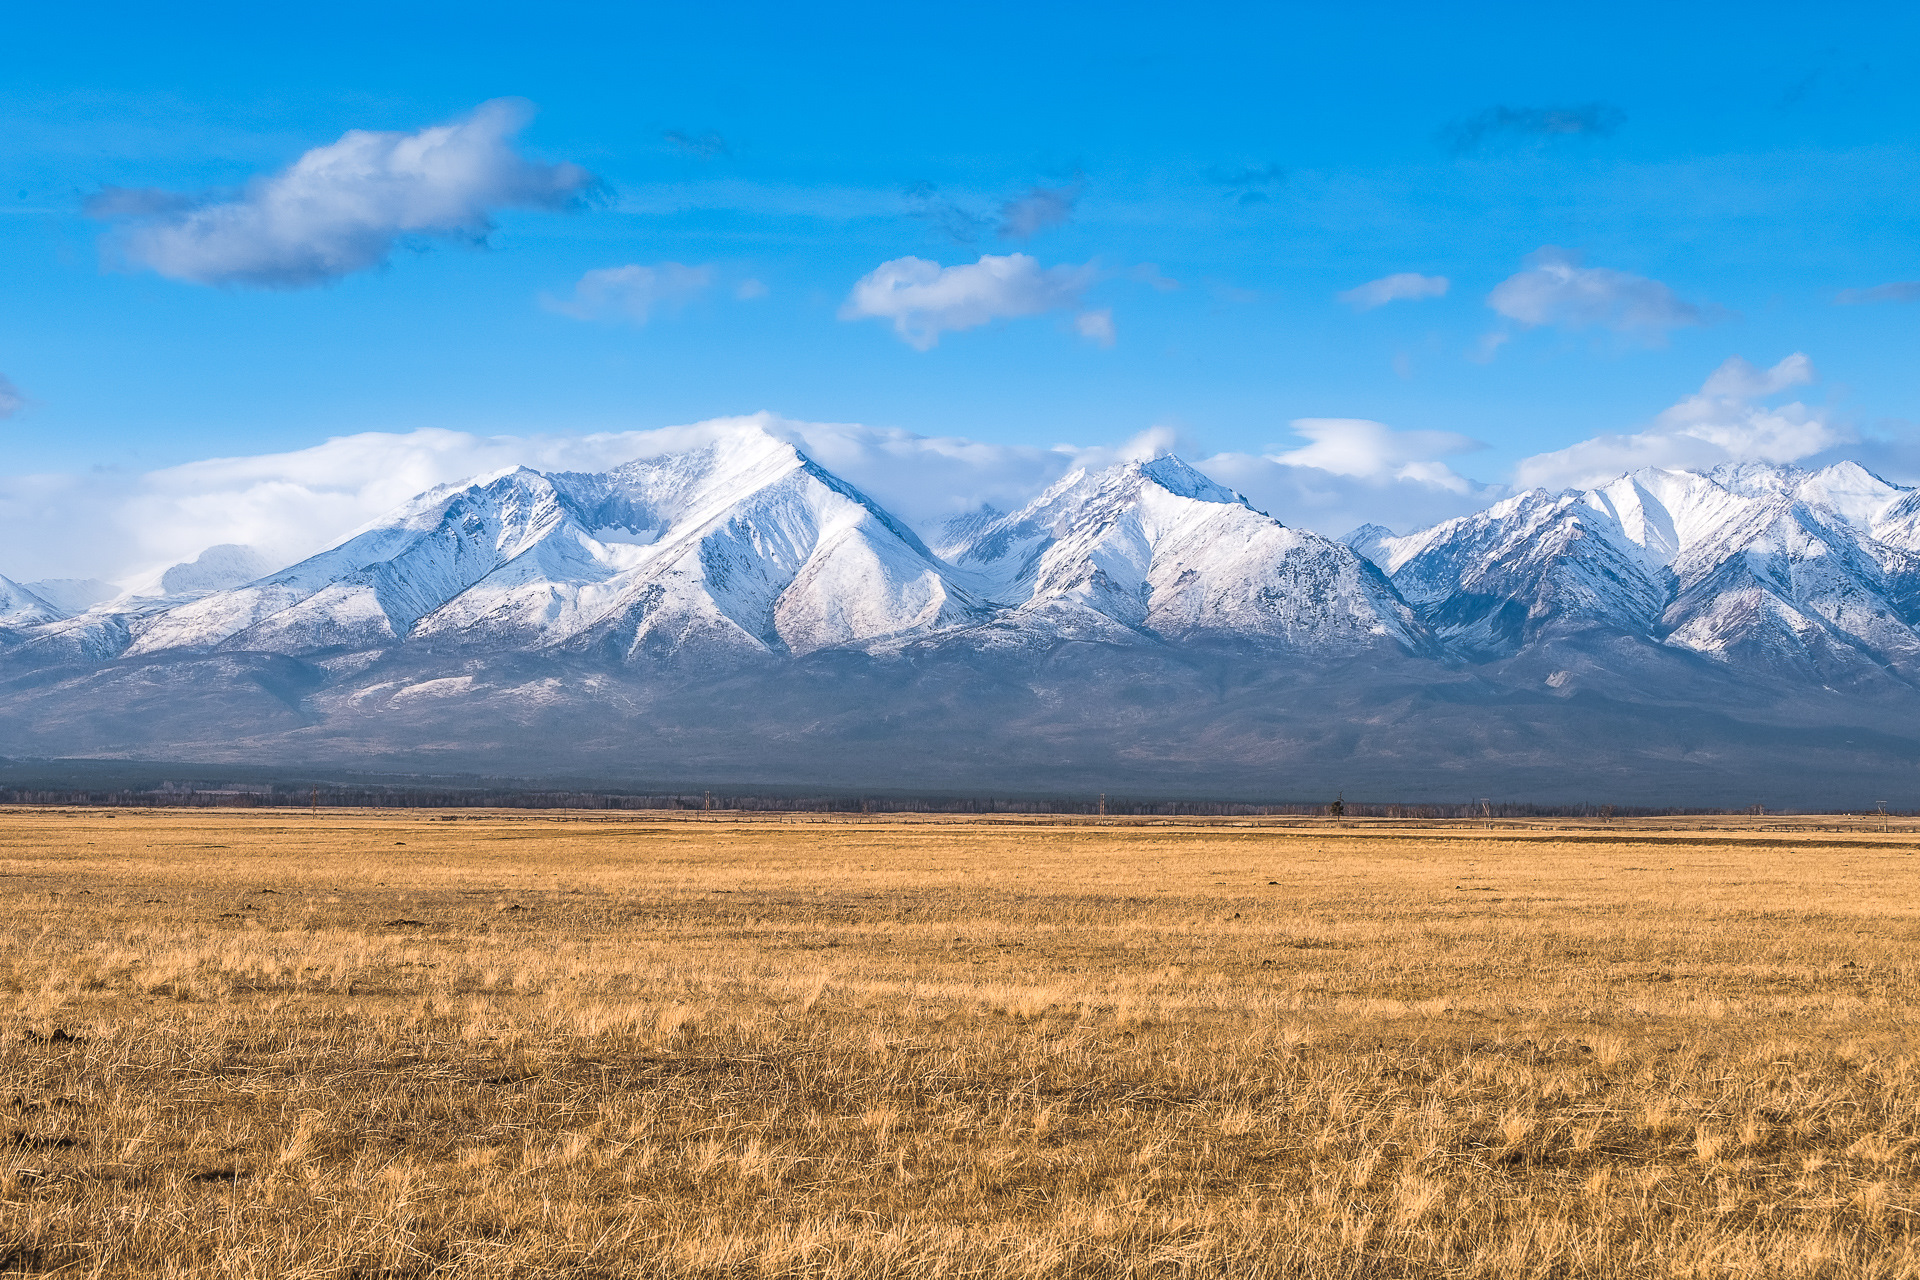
(369, 1044)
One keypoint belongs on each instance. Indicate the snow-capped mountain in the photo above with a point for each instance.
(1754, 564)
(744, 546)
(1156, 547)
(738, 611)
(747, 547)
(20, 607)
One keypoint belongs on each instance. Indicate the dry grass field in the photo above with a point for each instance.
(368, 1044)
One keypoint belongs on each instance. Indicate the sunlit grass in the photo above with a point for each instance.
(373, 1045)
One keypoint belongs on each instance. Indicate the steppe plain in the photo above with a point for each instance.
(360, 1043)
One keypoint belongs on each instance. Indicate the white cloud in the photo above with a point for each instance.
(632, 292)
(749, 289)
(342, 207)
(1556, 290)
(1369, 450)
(11, 401)
(1737, 379)
(1334, 504)
(1404, 285)
(924, 299)
(1722, 422)
(1096, 326)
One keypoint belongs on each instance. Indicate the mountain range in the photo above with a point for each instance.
(739, 613)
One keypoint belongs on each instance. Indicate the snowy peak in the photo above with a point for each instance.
(743, 545)
(1155, 548)
(20, 607)
(1742, 564)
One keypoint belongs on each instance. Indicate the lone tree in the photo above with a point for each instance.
(1337, 808)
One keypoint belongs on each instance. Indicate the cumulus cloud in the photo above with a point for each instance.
(11, 401)
(1404, 285)
(1725, 421)
(1899, 291)
(632, 292)
(923, 299)
(1586, 120)
(1039, 209)
(1096, 326)
(1556, 290)
(341, 208)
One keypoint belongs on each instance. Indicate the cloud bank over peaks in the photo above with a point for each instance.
(1370, 450)
(1725, 421)
(631, 293)
(1555, 290)
(923, 299)
(1402, 286)
(1353, 471)
(342, 208)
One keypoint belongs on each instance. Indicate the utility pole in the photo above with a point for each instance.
(707, 803)
(316, 801)
(1883, 813)
(1103, 804)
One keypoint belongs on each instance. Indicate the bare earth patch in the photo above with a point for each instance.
(368, 1044)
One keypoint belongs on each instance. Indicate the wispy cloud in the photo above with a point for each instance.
(924, 299)
(1899, 291)
(703, 146)
(1585, 120)
(1096, 326)
(632, 293)
(341, 208)
(945, 216)
(1725, 421)
(1402, 286)
(1250, 183)
(1041, 208)
(1556, 290)
(11, 401)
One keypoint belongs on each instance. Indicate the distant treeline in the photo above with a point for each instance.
(280, 796)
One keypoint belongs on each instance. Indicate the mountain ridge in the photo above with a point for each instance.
(741, 605)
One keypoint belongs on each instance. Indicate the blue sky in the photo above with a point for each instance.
(1619, 201)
